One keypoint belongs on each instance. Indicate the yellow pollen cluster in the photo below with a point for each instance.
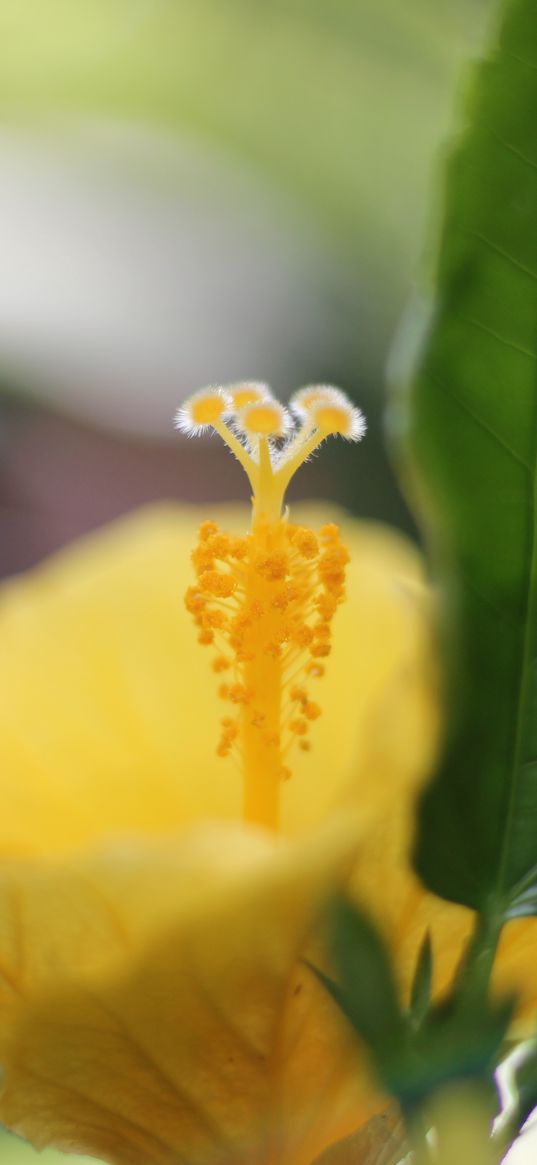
(265, 601)
(275, 605)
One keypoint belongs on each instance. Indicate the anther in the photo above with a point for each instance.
(220, 664)
(238, 694)
(274, 567)
(206, 529)
(218, 584)
(306, 543)
(320, 650)
(303, 636)
(218, 544)
(195, 601)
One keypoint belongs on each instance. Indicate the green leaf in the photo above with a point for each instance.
(456, 1039)
(365, 988)
(459, 1040)
(473, 436)
(420, 997)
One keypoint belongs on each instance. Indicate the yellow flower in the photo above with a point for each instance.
(154, 1005)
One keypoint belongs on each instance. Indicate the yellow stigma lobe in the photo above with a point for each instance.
(247, 392)
(203, 409)
(265, 601)
(264, 418)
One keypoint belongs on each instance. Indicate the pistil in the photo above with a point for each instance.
(266, 600)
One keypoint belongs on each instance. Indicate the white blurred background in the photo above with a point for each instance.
(201, 191)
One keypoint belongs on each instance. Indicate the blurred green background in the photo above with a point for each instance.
(196, 191)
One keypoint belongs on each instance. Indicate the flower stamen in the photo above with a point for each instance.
(265, 600)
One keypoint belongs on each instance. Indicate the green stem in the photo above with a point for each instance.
(417, 1137)
(476, 969)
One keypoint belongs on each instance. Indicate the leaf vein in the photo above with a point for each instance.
(497, 336)
(504, 254)
(483, 598)
(521, 60)
(525, 663)
(479, 420)
(531, 162)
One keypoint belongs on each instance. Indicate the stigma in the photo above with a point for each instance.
(264, 601)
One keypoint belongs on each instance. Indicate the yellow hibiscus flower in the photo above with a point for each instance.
(155, 905)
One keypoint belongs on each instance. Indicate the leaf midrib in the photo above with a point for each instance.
(516, 767)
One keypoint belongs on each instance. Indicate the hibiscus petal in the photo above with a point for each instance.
(382, 1141)
(106, 699)
(148, 998)
(14, 1151)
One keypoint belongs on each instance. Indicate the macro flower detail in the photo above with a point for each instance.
(155, 1006)
(156, 1015)
(153, 997)
(266, 600)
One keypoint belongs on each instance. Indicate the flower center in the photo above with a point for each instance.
(264, 601)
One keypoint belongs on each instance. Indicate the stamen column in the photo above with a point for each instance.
(266, 599)
(262, 762)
